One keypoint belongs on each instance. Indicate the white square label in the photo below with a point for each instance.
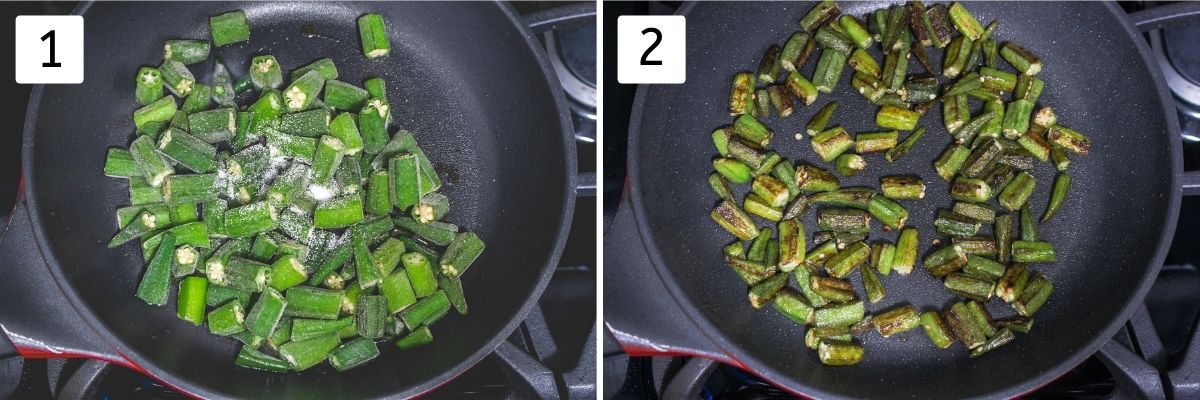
(651, 49)
(49, 49)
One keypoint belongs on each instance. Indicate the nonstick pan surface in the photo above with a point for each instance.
(466, 78)
(1110, 236)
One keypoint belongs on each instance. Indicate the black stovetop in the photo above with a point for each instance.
(557, 341)
(1160, 344)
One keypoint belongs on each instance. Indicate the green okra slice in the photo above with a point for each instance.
(265, 72)
(1017, 193)
(184, 264)
(387, 255)
(187, 150)
(828, 71)
(905, 257)
(426, 311)
(376, 87)
(936, 329)
(324, 66)
(397, 289)
(353, 354)
(287, 272)
(793, 306)
(214, 126)
(373, 35)
(969, 286)
(873, 286)
(345, 128)
(846, 261)
(227, 319)
(339, 212)
(161, 212)
(741, 96)
(405, 184)
(311, 123)
(264, 316)
(368, 272)
(896, 320)
(305, 328)
(821, 13)
(313, 302)
(303, 354)
(148, 86)
(897, 118)
(177, 78)
(438, 233)
(1068, 139)
(229, 28)
(420, 274)
(840, 314)
(344, 96)
(945, 260)
(190, 189)
(832, 289)
(887, 211)
(418, 337)
(372, 121)
(141, 193)
(251, 219)
(153, 166)
(143, 224)
(118, 163)
(371, 315)
(301, 93)
(155, 285)
(832, 143)
(238, 273)
(461, 253)
(190, 303)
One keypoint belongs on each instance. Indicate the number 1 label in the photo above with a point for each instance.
(651, 49)
(49, 49)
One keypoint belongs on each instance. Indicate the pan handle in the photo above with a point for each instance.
(639, 311)
(1165, 15)
(36, 316)
(558, 17)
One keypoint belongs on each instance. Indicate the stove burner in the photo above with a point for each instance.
(1179, 56)
(573, 54)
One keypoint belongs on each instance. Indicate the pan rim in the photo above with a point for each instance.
(744, 358)
(192, 388)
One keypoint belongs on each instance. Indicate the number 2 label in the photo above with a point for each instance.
(651, 49)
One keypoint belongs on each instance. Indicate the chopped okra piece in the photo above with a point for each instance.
(339, 212)
(155, 285)
(897, 320)
(176, 77)
(832, 143)
(313, 302)
(374, 36)
(299, 95)
(353, 354)
(161, 110)
(187, 150)
(303, 354)
(149, 85)
(936, 329)
(229, 28)
(265, 72)
(227, 319)
(324, 66)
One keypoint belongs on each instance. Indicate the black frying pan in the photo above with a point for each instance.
(1111, 235)
(469, 79)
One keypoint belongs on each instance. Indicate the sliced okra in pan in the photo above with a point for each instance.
(946, 260)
